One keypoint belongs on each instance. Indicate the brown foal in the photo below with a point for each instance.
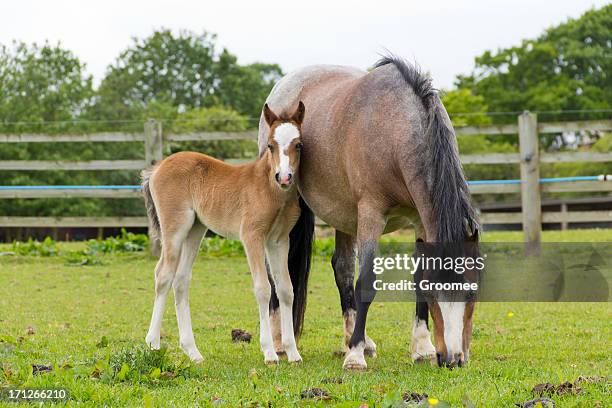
(189, 193)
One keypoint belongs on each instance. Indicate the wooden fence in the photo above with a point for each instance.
(529, 159)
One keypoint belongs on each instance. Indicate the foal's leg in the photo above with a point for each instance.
(277, 258)
(371, 224)
(173, 236)
(343, 263)
(254, 248)
(421, 346)
(189, 251)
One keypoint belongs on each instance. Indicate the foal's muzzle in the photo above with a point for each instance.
(285, 181)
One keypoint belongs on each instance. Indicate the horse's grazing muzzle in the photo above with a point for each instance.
(450, 361)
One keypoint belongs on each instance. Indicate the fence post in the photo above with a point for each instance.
(154, 153)
(530, 181)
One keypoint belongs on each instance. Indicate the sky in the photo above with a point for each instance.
(443, 36)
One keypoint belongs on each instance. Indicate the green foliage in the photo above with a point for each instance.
(48, 247)
(126, 242)
(221, 247)
(184, 71)
(73, 309)
(465, 108)
(41, 83)
(566, 68)
(214, 119)
(140, 364)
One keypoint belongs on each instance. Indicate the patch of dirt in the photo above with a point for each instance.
(338, 353)
(332, 380)
(316, 393)
(591, 379)
(40, 369)
(538, 402)
(30, 331)
(568, 388)
(241, 335)
(414, 396)
(561, 389)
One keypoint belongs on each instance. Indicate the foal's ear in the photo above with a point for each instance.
(269, 116)
(474, 236)
(298, 116)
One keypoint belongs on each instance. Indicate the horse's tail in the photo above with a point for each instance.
(300, 252)
(448, 189)
(154, 227)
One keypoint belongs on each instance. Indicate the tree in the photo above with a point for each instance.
(465, 108)
(184, 71)
(41, 84)
(566, 68)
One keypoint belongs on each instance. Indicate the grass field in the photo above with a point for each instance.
(89, 323)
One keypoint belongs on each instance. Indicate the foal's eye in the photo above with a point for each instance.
(271, 147)
(298, 146)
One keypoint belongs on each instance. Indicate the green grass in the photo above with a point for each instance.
(89, 322)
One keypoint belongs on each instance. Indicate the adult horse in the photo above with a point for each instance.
(380, 154)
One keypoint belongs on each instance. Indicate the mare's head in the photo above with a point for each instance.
(452, 309)
(284, 144)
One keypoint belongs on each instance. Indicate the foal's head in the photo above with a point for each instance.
(284, 144)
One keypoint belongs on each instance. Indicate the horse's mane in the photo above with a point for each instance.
(454, 215)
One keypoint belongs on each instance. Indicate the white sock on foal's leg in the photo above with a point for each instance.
(181, 282)
(265, 331)
(277, 259)
(164, 273)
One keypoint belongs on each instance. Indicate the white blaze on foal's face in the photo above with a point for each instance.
(284, 143)
(286, 136)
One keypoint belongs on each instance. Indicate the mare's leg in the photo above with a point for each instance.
(254, 247)
(371, 224)
(421, 346)
(189, 251)
(343, 263)
(277, 258)
(174, 232)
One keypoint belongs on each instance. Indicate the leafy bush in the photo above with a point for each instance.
(220, 247)
(324, 247)
(140, 364)
(126, 242)
(48, 247)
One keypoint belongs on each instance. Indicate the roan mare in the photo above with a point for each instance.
(380, 154)
(189, 193)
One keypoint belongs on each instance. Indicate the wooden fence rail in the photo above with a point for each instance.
(529, 159)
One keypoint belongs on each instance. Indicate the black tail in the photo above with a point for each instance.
(154, 228)
(300, 252)
(449, 193)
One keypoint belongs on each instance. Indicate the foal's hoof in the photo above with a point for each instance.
(270, 358)
(153, 342)
(294, 357)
